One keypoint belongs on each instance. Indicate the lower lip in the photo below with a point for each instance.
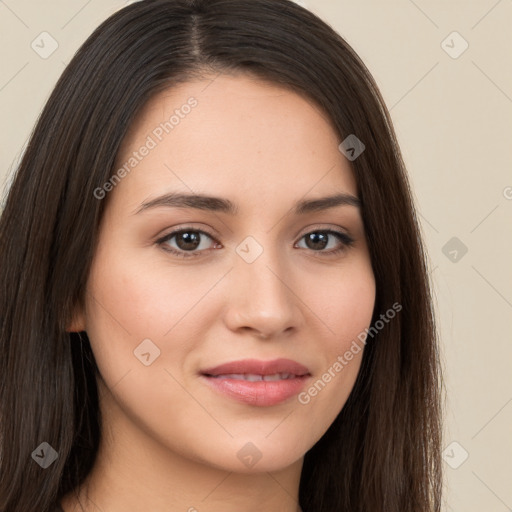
(261, 393)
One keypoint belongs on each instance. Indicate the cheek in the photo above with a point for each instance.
(344, 310)
(130, 300)
(342, 302)
(137, 298)
(129, 304)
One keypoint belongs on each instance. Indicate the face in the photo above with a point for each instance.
(178, 288)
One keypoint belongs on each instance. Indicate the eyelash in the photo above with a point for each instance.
(346, 242)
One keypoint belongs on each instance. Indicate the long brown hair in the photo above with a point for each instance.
(382, 453)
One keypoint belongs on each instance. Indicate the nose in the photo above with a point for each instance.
(262, 300)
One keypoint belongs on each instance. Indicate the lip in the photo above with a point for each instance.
(258, 367)
(260, 393)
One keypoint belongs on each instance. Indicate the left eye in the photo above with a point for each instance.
(188, 240)
(321, 238)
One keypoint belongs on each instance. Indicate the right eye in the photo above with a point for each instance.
(187, 240)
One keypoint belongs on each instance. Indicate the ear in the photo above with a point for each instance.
(77, 323)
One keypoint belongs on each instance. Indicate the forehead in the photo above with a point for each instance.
(232, 135)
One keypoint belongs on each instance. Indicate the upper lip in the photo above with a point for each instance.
(258, 367)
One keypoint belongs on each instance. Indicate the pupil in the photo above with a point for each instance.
(315, 237)
(191, 240)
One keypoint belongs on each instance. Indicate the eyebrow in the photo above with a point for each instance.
(222, 205)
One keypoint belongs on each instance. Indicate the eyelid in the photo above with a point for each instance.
(322, 227)
(215, 235)
(178, 229)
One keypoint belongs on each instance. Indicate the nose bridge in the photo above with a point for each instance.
(260, 263)
(263, 294)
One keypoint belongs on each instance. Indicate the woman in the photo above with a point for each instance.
(215, 293)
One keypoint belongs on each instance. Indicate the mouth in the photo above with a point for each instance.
(253, 377)
(259, 383)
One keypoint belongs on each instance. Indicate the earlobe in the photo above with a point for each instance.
(77, 323)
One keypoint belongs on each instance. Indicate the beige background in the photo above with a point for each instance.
(453, 117)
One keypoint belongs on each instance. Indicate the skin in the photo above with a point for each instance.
(170, 442)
